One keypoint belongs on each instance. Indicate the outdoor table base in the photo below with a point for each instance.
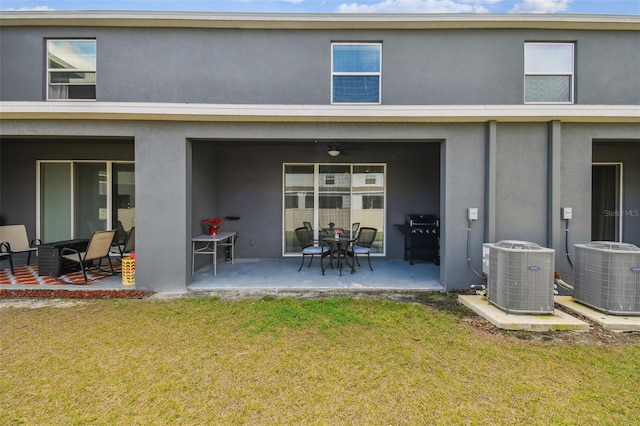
(337, 249)
(210, 247)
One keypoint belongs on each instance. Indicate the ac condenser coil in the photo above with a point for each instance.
(606, 277)
(521, 277)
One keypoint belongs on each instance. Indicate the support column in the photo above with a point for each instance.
(162, 247)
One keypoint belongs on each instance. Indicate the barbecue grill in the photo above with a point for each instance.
(421, 238)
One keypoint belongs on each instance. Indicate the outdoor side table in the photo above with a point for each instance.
(49, 261)
(208, 245)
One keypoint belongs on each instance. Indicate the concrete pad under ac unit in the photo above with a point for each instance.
(544, 322)
(606, 321)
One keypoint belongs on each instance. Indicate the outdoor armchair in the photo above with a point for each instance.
(14, 240)
(309, 248)
(362, 244)
(97, 249)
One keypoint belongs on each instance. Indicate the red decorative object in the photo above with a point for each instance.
(212, 225)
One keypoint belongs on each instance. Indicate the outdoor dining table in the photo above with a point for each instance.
(337, 249)
(206, 244)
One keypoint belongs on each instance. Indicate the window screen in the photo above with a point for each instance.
(549, 72)
(356, 72)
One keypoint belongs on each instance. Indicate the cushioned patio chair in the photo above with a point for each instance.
(14, 240)
(362, 244)
(128, 245)
(309, 248)
(97, 249)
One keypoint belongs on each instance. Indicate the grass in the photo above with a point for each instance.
(283, 361)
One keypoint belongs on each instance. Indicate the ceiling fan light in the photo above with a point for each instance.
(333, 152)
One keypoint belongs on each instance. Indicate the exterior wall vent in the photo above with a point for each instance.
(606, 277)
(521, 277)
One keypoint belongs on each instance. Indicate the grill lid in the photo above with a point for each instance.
(422, 220)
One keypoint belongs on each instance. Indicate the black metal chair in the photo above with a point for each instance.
(97, 249)
(354, 230)
(362, 244)
(309, 247)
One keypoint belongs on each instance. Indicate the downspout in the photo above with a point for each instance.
(554, 196)
(490, 183)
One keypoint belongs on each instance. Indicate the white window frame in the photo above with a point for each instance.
(61, 70)
(316, 205)
(570, 74)
(107, 186)
(355, 74)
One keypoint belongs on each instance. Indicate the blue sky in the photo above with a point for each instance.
(625, 7)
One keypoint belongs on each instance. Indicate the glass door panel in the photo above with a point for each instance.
(368, 202)
(298, 202)
(90, 198)
(334, 197)
(606, 202)
(55, 202)
(124, 199)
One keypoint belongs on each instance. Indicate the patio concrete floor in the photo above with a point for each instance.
(282, 273)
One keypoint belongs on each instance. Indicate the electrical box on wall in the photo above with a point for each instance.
(472, 213)
(567, 213)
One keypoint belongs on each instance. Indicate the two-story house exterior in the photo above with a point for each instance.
(163, 119)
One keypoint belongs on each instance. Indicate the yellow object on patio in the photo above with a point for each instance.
(128, 271)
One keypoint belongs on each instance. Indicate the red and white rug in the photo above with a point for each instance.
(28, 275)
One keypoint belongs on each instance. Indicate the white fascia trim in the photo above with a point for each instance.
(138, 111)
(317, 20)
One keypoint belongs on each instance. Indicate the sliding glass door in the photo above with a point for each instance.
(332, 196)
(76, 198)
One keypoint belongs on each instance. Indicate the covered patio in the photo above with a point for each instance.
(282, 274)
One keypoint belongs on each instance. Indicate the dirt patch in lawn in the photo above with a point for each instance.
(448, 303)
(441, 302)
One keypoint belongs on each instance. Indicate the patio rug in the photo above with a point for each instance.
(28, 275)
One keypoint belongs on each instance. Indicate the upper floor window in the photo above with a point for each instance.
(356, 72)
(548, 72)
(71, 69)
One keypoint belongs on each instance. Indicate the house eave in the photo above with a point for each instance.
(302, 21)
(173, 112)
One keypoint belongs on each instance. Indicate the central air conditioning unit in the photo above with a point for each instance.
(606, 277)
(521, 277)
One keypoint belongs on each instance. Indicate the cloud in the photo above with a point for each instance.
(418, 6)
(541, 6)
(24, 9)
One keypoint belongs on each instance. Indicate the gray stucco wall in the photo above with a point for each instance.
(188, 171)
(293, 67)
(240, 178)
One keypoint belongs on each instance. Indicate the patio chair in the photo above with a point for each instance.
(309, 248)
(128, 245)
(14, 240)
(362, 244)
(354, 230)
(97, 249)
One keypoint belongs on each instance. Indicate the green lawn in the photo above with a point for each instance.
(204, 361)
